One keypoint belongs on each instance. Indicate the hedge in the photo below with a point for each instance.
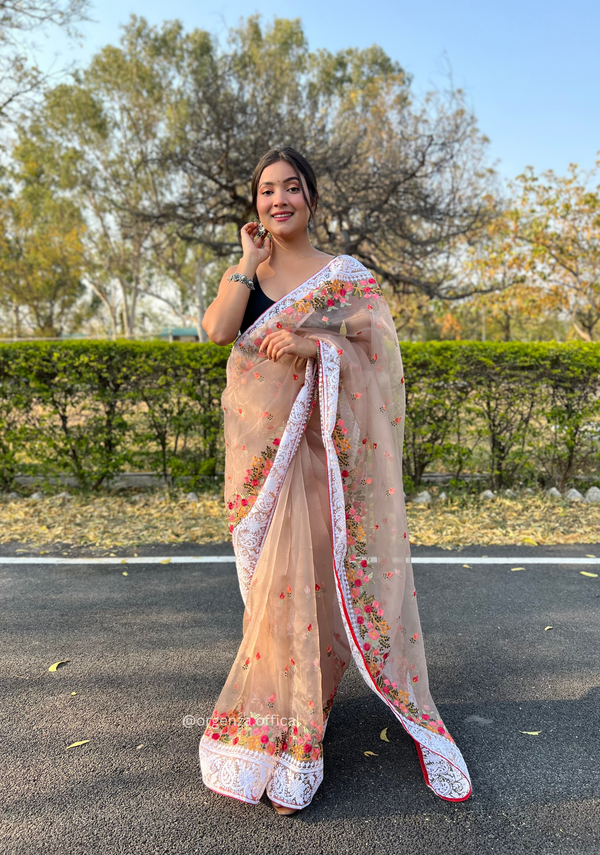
(515, 412)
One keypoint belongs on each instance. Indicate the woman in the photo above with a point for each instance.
(314, 424)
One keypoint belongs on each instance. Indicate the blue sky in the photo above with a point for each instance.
(530, 69)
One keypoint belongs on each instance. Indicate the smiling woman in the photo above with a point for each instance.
(314, 424)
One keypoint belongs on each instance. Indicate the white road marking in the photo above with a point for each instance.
(226, 559)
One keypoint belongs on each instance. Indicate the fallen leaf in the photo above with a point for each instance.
(383, 735)
(125, 573)
(517, 568)
(370, 754)
(531, 732)
(587, 556)
(58, 664)
(75, 744)
(529, 540)
(107, 520)
(548, 627)
(124, 561)
(585, 573)
(73, 693)
(166, 561)
(467, 565)
(140, 746)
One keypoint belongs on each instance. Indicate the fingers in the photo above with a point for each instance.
(273, 343)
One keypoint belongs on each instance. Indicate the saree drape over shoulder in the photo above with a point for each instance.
(313, 485)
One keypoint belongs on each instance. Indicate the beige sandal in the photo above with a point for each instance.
(282, 810)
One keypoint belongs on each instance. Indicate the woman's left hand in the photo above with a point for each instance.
(278, 343)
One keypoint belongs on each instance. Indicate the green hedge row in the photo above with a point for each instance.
(94, 409)
(515, 412)
(519, 413)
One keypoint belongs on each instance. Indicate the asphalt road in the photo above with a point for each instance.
(148, 648)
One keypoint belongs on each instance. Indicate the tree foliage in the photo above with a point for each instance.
(20, 21)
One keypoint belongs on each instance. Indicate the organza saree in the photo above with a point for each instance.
(313, 486)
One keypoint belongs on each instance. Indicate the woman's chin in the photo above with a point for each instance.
(287, 229)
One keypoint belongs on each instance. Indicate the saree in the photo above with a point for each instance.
(314, 493)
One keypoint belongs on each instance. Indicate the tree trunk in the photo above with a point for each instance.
(202, 335)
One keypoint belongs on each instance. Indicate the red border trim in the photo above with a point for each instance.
(376, 689)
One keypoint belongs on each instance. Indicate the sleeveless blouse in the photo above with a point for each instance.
(257, 304)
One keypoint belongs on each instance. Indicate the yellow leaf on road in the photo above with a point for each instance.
(58, 664)
(370, 754)
(548, 627)
(587, 556)
(124, 561)
(517, 568)
(531, 732)
(529, 540)
(467, 565)
(383, 735)
(125, 573)
(166, 561)
(75, 744)
(585, 573)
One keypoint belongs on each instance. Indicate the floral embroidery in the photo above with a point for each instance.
(333, 294)
(302, 743)
(373, 629)
(342, 445)
(255, 477)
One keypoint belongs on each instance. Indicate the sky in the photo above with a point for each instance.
(530, 70)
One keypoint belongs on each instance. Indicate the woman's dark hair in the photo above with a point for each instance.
(301, 167)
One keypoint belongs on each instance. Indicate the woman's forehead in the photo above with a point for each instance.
(278, 173)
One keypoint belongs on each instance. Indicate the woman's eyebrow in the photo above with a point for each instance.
(272, 183)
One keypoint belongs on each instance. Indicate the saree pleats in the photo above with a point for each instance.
(313, 485)
(269, 721)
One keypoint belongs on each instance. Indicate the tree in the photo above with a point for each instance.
(558, 220)
(541, 256)
(41, 265)
(156, 140)
(400, 185)
(92, 141)
(19, 19)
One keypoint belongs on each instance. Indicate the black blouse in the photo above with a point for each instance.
(258, 302)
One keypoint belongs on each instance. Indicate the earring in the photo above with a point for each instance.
(261, 231)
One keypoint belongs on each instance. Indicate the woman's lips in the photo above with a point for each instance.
(281, 217)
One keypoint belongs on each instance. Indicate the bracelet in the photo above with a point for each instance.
(241, 277)
(318, 354)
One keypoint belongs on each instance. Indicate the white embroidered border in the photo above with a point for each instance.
(343, 265)
(249, 535)
(233, 770)
(444, 767)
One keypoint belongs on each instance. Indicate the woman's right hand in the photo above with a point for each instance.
(258, 251)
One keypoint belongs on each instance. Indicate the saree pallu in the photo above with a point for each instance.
(313, 486)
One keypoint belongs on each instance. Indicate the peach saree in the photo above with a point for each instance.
(313, 484)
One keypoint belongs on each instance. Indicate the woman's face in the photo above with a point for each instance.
(280, 203)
